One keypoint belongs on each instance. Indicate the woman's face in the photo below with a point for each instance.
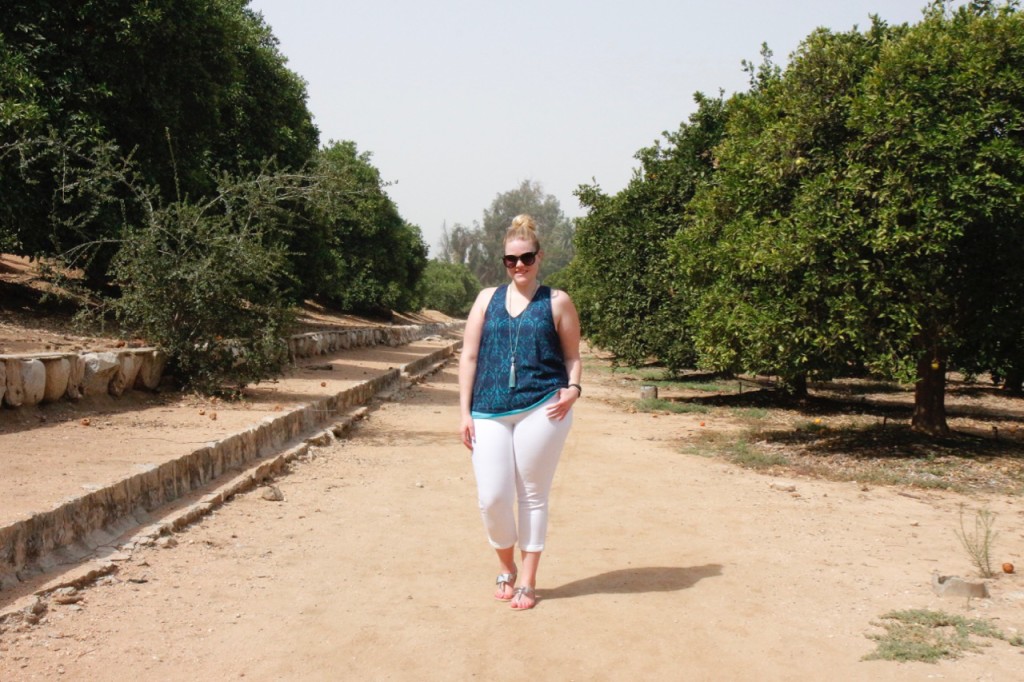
(518, 270)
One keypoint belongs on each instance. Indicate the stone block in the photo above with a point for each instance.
(15, 393)
(151, 370)
(100, 370)
(33, 381)
(124, 378)
(58, 372)
(76, 377)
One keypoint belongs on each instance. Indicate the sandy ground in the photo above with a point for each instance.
(660, 566)
(53, 452)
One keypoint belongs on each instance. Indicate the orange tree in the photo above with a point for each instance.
(867, 209)
(187, 88)
(626, 285)
(363, 256)
(935, 190)
(773, 293)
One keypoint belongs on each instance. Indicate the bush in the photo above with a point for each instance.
(202, 282)
(449, 287)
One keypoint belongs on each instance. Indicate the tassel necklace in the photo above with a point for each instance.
(513, 345)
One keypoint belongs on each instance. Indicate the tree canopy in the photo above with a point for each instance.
(480, 248)
(188, 88)
(859, 210)
(165, 149)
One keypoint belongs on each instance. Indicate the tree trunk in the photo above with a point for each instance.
(930, 396)
(794, 386)
(1014, 382)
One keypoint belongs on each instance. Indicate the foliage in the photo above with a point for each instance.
(201, 281)
(856, 211)
(772, 292)
(978, 542)
(936, 182)
(482, 247)
(929, 636)
(366, 258)
(95, 192)
(625, 281)
(189, 87)
(211, 281)
(448, 287)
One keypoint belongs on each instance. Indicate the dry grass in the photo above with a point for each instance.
(850, 430)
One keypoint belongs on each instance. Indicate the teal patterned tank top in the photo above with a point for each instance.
(539, 362)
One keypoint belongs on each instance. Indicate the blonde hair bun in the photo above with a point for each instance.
(523, 227)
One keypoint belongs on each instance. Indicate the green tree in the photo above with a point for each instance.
(624, 280)
(200, 280)
(448, 287)
(188, 87)
(935, 190)
(774, 293)
(867, 207)
(372, 259)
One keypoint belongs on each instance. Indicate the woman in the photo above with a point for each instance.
(519, 375)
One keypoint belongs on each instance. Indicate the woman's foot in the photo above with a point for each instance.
(524, 598)
(506, 583)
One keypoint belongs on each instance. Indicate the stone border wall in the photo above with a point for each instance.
(77, 527)
(333, 340)
(31, 379)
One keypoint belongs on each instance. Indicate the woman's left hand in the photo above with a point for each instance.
(566, 398)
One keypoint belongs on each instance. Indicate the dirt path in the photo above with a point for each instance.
(660, 565)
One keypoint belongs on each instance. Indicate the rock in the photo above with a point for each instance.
(151, 370)
(15, 394)
(67, 595)
(76, 377)
(3, 380)
(58, 372)
(35, 610)
(954, 586)
(33, 381)
(783, 487)
(273, 494)
(166, 542)
(100, 369)
(124, 378)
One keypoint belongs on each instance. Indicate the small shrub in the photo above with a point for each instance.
(449, 287)
(978, 542)
(928, 636)
(202, 282)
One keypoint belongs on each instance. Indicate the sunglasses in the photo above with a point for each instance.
(528, 258)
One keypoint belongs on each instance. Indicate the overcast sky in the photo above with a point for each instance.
(461, 100)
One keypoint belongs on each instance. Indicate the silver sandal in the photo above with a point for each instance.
(503, 580)
(524, 591)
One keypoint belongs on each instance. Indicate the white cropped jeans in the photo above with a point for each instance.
(514, 458)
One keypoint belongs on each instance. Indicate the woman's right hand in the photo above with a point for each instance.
(467, 432)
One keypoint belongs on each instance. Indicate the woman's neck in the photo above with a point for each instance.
(528, 289)
(519, 300)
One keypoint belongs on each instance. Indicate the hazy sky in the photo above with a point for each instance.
(459, 100)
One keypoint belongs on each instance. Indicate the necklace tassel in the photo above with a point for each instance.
(512, 375)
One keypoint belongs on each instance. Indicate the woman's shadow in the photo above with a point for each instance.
(635, 581)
